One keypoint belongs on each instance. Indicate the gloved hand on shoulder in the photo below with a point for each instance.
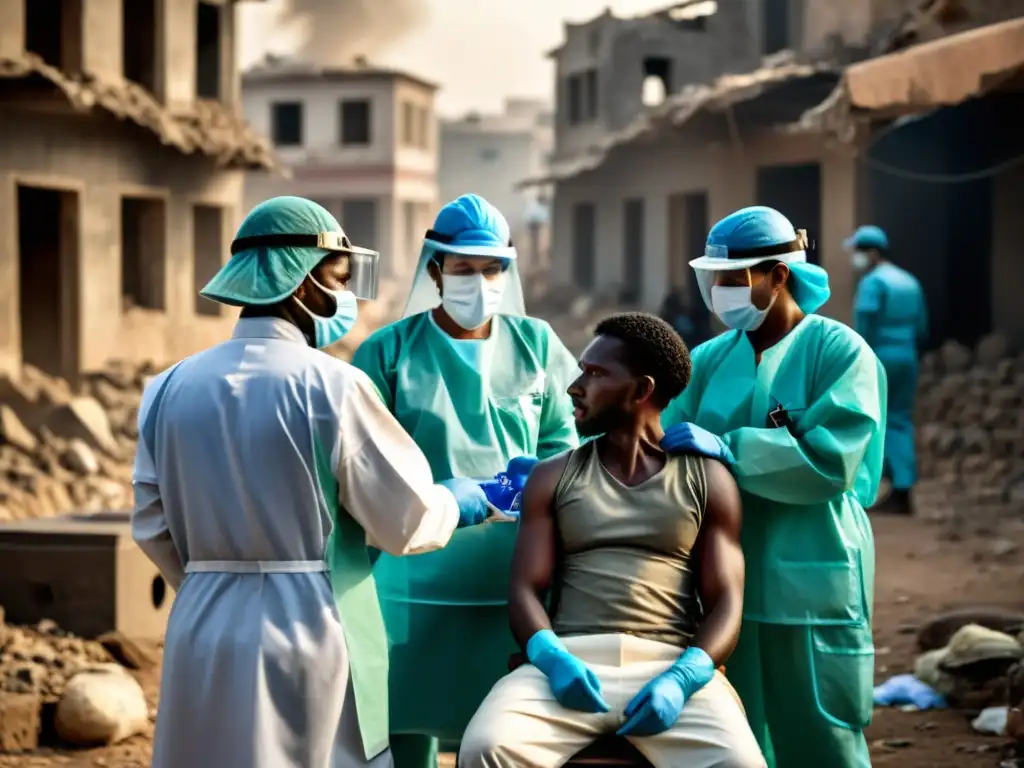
(658, 705)
(470, 498)
(521, 465)
(572, 682)
(689, 438)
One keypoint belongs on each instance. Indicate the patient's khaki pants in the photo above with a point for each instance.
(520, 725)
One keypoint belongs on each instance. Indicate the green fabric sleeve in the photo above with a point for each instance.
(372, 359)
(822, 455)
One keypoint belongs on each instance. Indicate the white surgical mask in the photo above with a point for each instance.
(733, 306)
(860, 260)
(472, 300)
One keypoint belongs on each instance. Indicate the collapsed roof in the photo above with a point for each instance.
(208, 127)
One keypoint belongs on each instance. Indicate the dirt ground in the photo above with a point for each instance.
(924, 567)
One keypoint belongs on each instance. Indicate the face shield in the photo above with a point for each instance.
(718, 259)
(364, 264)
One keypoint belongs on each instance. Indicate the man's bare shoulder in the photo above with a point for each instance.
(723, 495)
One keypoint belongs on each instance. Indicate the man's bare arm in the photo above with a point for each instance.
(533, 563)
(721, 568)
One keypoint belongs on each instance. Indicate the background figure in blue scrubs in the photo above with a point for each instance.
(890, 312)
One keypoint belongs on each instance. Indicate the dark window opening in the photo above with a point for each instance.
(286, 124)
(143, 253)
(139, 43)
(359, 220)
(53, 31)
(208, 51)
(633, 251)
(775, 21)
(47, 258)
(355, 122)
(657, 80)
(575, 98)
(795, 191)
(584, 237)
(590, 90)
(207, 253)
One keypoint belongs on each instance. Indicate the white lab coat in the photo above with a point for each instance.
(256, 666)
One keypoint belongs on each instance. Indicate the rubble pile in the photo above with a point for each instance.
(68, 450)
(971, 429)
(49, 677)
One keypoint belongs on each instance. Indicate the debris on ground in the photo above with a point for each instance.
(49, 677)
(65, 449)
(970, 432)
(907, 690)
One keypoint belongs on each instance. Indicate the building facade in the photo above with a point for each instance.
(637, 189)
(489, 155)
(122, 156)
(360, 141)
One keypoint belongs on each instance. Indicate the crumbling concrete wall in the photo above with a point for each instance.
(101, 160)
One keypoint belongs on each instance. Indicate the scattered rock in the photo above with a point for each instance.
(85, 419)
(101, 705)
(79, 458)
(937, 632)
(127, 652)
(13, 432)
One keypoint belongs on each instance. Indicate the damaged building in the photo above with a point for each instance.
(881, 111)
(360, 140)
(122, 156)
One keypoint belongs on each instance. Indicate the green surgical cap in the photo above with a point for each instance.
(266, 275)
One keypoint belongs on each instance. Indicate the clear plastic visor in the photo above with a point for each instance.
(364, 273)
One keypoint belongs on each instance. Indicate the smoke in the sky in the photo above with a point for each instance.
(336, 31)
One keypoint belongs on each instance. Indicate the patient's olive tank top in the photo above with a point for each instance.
(626, 563)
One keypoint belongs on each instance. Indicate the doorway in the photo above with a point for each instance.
(794, 191)
(47, 278)
(207, 253)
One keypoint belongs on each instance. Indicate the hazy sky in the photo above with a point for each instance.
(479, 51)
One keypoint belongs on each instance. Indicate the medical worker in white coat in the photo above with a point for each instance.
(264, 468)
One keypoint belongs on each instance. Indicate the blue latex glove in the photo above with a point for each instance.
(656, 708)
(907, 689)
(521, 465)
(689, 438)
(574, 685)
(471, 499)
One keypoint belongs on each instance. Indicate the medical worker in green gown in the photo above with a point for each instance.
(476, 383)
(796, 403)
(890, 312)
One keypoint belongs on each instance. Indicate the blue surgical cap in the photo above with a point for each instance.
(867, 238)
(733, 244)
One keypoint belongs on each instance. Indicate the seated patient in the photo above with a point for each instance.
(640, 553)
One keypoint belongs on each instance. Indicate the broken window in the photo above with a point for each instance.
(208, 51)
(657, 80)
(53, 31)
(143, 252)
(207, 253)
(286, 123)
(139, 42)
(776, 25)
(355, 122)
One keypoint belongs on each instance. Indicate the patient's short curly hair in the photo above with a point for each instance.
(652, 348)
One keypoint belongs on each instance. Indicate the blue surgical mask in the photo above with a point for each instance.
(735, 308)
(328, 330)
